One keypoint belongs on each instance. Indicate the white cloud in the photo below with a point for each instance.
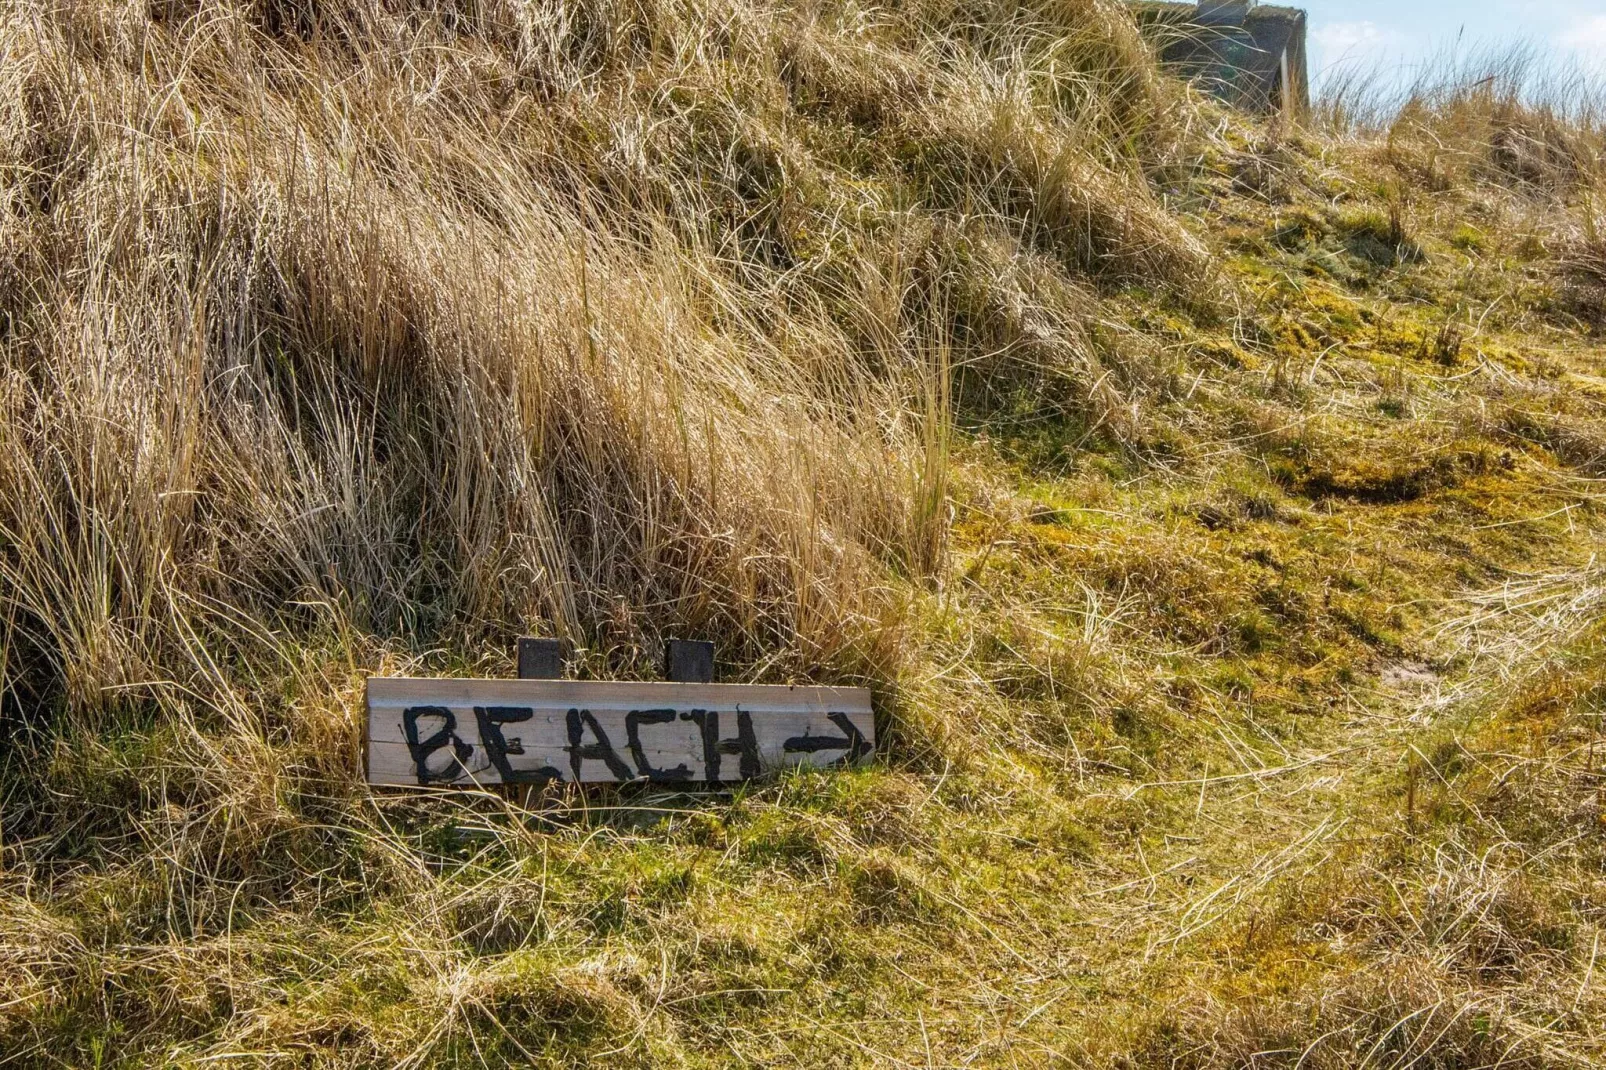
(1586, 34)
(1360, 42)
(1585, 38)
(1342, 37)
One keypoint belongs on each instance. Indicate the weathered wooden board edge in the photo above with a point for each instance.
(851, 699)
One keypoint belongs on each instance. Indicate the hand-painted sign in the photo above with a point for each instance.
(467, 732)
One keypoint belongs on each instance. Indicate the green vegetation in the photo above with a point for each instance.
(1216, 509)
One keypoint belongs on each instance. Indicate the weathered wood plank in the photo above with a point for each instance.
(465, 732)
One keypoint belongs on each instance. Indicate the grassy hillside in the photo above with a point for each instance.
(1215, 507)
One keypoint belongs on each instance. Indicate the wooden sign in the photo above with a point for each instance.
(470, 732)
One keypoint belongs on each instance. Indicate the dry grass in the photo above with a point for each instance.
(1128, 448)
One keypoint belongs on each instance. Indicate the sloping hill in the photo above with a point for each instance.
(1215, 509)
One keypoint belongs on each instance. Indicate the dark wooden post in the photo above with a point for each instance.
(688, 661)
(540, 659)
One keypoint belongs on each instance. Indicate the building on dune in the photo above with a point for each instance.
(1249, 54)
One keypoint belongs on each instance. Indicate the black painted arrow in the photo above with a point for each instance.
(852, 741)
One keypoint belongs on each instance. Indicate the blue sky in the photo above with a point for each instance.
(1403, 32)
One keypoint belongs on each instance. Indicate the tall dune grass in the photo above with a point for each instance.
(429, 322)
(1510, 109)
(341, 336)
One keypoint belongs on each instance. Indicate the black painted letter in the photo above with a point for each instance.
(498, 747)
(745, 743)
(633, 722)
(579, 721)
(422, 750)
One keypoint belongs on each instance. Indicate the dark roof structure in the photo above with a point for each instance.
(1249, 54)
